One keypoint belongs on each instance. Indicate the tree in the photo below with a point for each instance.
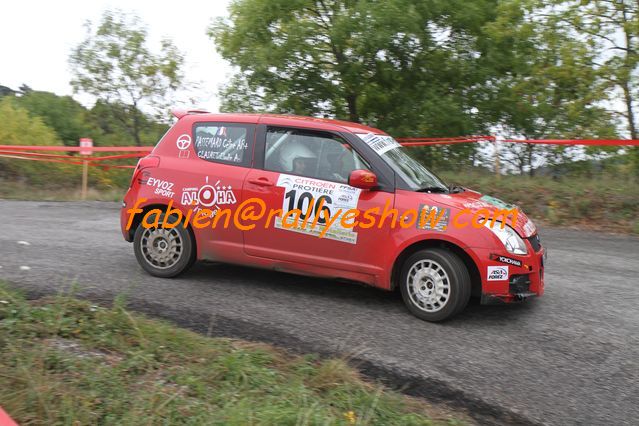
(373, 61)
(110, 122)
(415, 68)
(549, 88)
(17, 127)
(611, 29)
(115, 65)
(407, 66)
(5, 91)
(63, 114)
(25, 89)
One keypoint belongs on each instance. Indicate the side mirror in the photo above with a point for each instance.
(362, 179)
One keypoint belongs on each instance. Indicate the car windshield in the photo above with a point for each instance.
(405, 163)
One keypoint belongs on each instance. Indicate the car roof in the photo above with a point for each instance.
(277, 120)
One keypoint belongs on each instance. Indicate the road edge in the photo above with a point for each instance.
(210, 324)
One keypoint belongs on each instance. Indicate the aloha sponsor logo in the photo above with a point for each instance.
(209, 196)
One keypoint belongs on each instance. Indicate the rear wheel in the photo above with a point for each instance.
(164, 252)
(435, 284)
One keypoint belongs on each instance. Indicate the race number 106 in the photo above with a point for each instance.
(304, 202)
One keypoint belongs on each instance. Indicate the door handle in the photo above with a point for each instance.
(261, 182)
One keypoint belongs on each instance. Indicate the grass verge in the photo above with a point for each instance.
(605, 203)
(65, 361)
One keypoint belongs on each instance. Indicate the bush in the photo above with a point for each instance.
(18, 127)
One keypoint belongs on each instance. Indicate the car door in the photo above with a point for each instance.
(308, 170)
(223, 155)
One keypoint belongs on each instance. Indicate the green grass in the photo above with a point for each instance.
(65, 361)
(604, 203)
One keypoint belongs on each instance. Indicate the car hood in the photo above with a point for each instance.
(475, 201)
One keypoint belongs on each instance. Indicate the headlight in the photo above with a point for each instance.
(511, 240)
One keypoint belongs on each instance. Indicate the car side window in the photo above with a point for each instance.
(229, 143)
(319, 155)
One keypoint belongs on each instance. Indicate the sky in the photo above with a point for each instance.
(36, 38)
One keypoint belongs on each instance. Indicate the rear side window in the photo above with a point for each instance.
(229, 143)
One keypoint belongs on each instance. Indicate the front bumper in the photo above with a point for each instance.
(524, 279)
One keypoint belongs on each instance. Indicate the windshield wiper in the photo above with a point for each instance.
(438, 189)
(456, 189)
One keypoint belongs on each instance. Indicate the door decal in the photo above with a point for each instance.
(321, 203)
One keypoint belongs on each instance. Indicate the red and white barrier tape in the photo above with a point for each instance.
(43, 153)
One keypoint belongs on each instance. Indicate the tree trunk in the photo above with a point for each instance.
(529, 149)
(521, 160)
(629, 110)
(351, 101)
(627, 92)
(136, 125)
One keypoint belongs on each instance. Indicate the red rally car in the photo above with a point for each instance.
(224, 162)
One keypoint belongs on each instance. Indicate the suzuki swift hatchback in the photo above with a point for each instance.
(325, 198)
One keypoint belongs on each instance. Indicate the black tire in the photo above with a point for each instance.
(180, 259)
(444, 265)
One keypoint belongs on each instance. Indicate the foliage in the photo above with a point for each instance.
(64, 361)
(520, 68)
(61, 113)
(17, 127)
(114, 65)
(407, 66)
(112, 120)
(4, 91)
(104, 123)
(549, 88)
(417, 68)
(611, 30)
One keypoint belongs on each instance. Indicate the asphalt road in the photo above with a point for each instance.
(571, 357)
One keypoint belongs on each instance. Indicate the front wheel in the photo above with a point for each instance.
(164, 252)
(435, 284)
